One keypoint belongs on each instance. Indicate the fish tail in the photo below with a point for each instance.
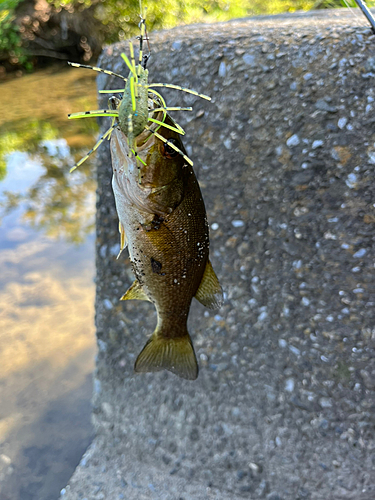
(173, 354)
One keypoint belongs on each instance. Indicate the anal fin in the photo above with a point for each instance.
(210, 293)
(135, 292)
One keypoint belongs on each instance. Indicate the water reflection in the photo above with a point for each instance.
(52, 200)
(46, 290)
(60, 204)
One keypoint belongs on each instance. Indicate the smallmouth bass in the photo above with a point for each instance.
(161, 212)
(163, 221)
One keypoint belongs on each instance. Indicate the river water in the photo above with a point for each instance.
(47, 341)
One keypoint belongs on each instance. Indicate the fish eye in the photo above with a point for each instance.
(169, 152)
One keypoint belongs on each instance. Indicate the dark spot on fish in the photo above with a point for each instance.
(157, 221)
(154, 224)
(155, 266)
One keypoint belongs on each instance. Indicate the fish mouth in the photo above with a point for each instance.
(144, 140)
(124, 157)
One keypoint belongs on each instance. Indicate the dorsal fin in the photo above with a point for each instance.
(210, 293)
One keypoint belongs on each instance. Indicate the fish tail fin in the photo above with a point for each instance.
(173, 354)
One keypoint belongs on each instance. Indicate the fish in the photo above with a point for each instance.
(164, 224)
(162, 216)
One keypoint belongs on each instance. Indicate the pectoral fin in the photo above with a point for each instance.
(123, 239)
(135, 292)
(210, 293)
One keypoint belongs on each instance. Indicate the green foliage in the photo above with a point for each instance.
(120, 19)
(10, 38)
(334, 4)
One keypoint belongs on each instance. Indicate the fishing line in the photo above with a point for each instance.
(366, 13)
(355, 14)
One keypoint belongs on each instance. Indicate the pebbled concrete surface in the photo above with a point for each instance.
(284, 404)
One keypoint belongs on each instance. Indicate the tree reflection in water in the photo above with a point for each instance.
(59, 203)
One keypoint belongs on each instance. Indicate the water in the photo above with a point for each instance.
(47, 341)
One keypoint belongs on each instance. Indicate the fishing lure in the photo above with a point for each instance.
(136, 110)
